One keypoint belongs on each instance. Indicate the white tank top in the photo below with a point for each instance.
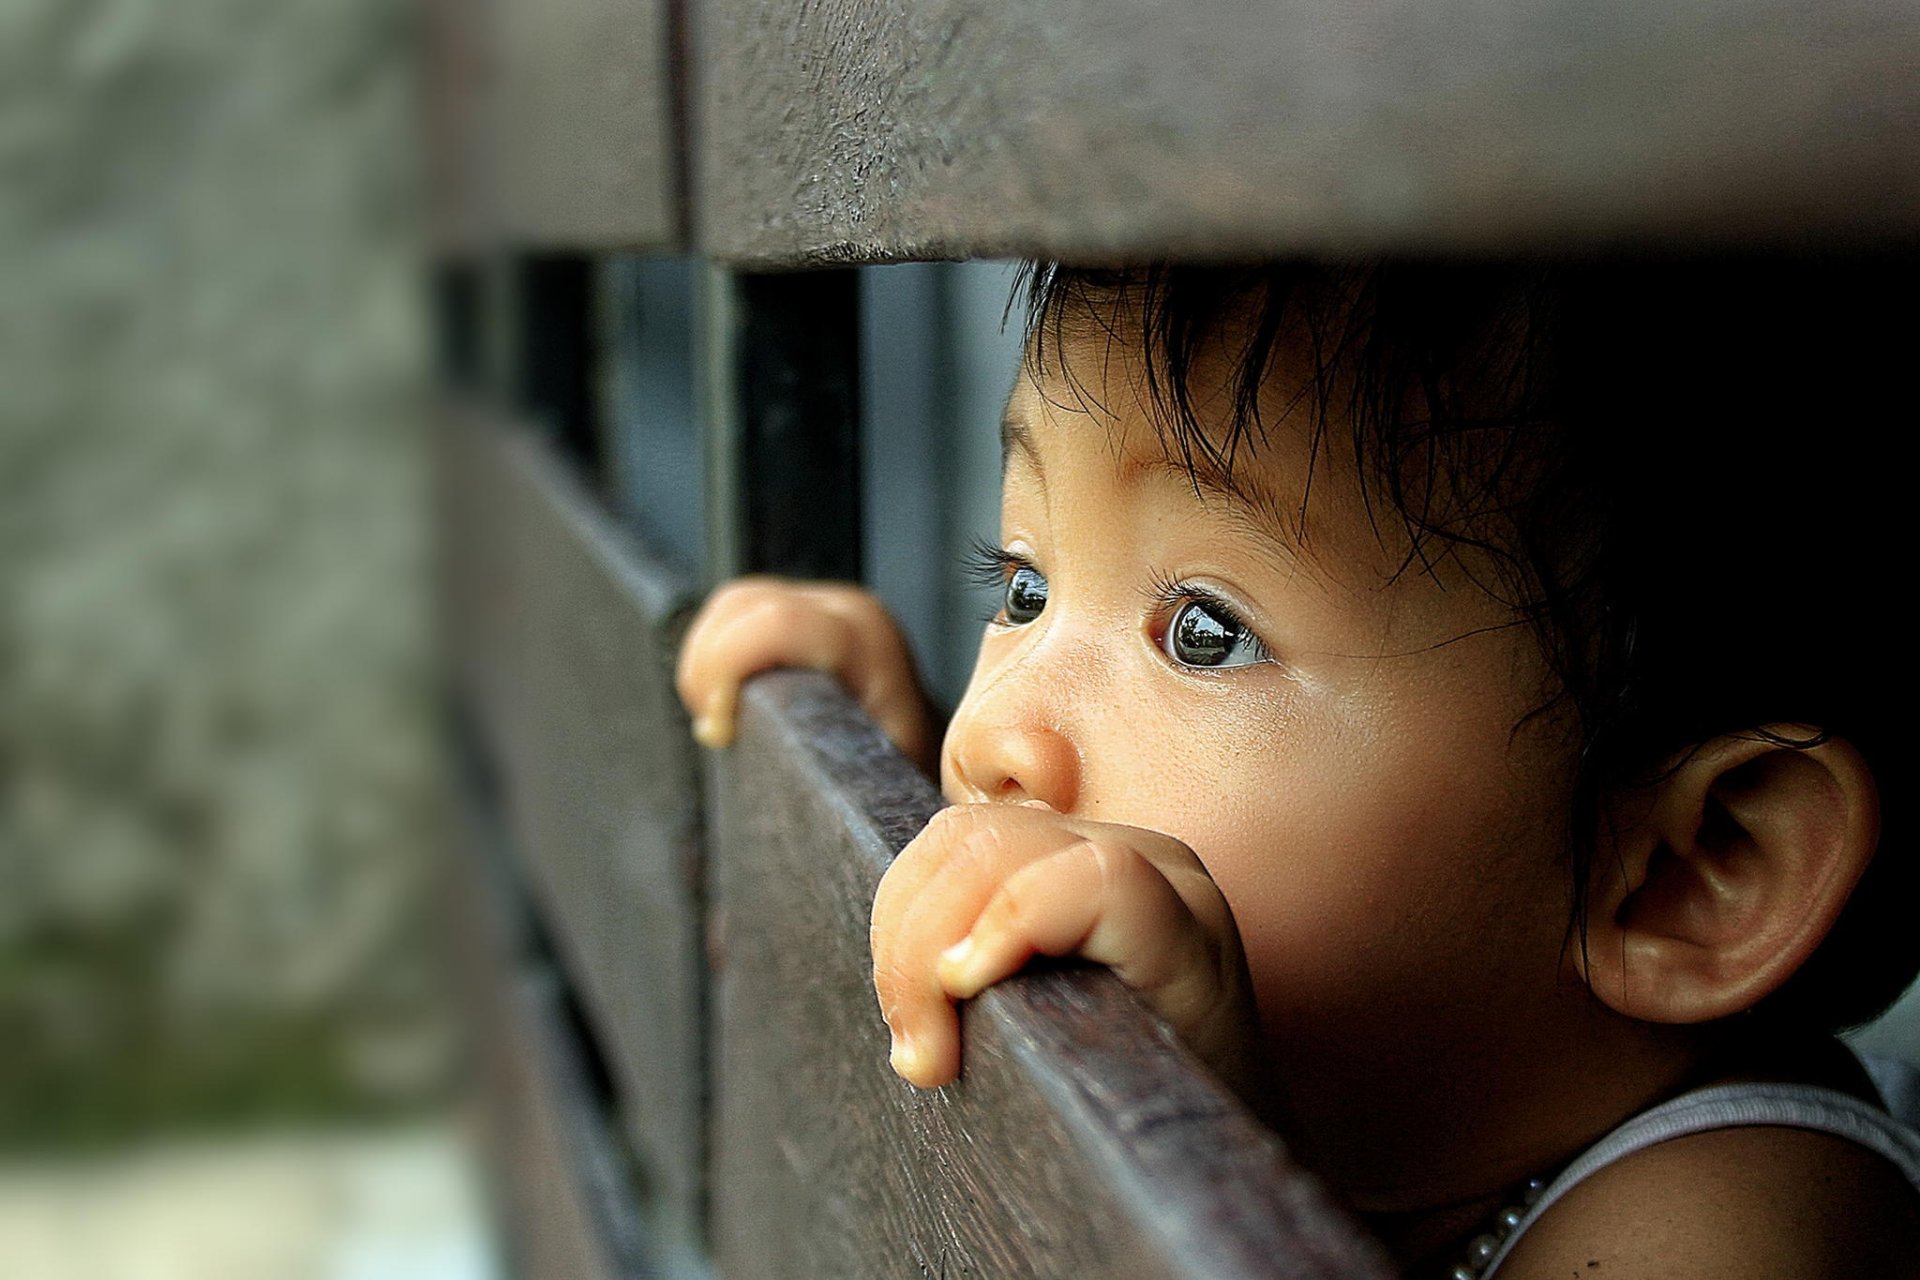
(1729, 1106)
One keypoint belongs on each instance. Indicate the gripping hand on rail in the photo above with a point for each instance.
(986, 887)
(755, 624)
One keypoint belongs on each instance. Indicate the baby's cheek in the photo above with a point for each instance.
(1384, 929)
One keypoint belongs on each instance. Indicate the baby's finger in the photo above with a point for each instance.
(771, 632)
(877, 667)
(890, 694)
(1106, 903)
(1151, 936)
(1047, 908)
(928, 1055)
(697, 677)
(983, 832)
(913, 920)
(928, 901)
(938, 885)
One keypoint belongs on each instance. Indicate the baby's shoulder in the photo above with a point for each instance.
(1750, 1202)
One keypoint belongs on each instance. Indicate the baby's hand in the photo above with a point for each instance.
(752, 624)
(987, 886)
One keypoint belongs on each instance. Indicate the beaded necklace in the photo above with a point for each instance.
(1482, 1248)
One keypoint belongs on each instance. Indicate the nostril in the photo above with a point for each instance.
(1021, 763)
(1011, 791)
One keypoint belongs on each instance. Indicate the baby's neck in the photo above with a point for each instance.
(1426, 1128)
(1428, 1237)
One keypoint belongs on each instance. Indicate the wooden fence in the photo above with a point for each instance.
(684, 1070)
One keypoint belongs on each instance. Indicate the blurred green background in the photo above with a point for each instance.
(216, 763)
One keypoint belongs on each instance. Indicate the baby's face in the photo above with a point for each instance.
(1338, 743)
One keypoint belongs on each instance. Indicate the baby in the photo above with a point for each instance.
(1452, 697)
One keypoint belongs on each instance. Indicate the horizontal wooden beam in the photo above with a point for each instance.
(875, 130)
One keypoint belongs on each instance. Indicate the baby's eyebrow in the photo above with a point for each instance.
(1016, 438)
(1250, 506)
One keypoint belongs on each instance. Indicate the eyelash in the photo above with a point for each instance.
(1168, 594)
(990, 565)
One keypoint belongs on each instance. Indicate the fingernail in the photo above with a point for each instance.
(905, 1058)
(957, 969)
(708, 731)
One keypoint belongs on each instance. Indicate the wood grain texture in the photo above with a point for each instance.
(873, 130)
(1082, 1140)
(562, 636)
(584, 122)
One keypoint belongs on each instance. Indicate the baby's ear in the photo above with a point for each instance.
(1723, 879)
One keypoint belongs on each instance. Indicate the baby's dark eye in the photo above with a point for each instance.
(1026, 595)
(1201, 634)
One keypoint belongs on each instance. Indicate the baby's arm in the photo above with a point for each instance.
(754, 624)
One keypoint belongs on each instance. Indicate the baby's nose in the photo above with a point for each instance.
(1019, 763)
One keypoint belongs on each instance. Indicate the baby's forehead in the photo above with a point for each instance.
(1281, 490)
(1104, 401)
(1286, 501)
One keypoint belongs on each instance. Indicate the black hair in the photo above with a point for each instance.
(1682, 475)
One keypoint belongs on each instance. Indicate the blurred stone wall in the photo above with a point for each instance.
(215, 762)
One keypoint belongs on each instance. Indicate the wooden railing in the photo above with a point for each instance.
(683, 1064)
